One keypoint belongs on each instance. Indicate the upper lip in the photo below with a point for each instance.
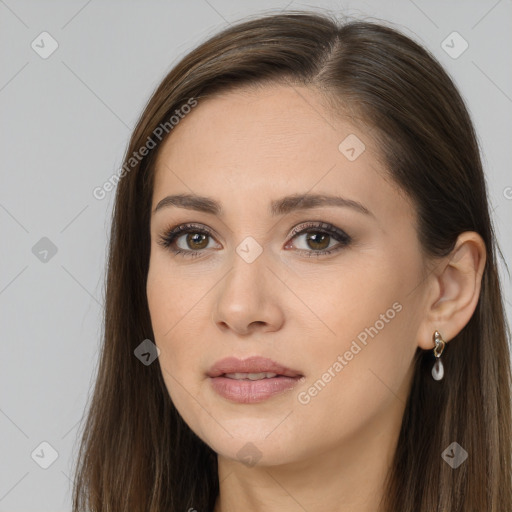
(254, 364)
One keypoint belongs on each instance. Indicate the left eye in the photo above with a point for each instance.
(316, 240)
(318, 237)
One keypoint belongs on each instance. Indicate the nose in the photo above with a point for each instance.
(249, 298)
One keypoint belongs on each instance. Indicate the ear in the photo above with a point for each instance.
(453, 290)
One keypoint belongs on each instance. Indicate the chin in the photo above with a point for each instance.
(251, 442)
(251, 453)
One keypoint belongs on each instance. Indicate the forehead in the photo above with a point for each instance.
(275, 123)
(275, 140)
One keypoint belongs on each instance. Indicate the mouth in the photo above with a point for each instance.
(251, 380)
(253, 368)
(250, 376)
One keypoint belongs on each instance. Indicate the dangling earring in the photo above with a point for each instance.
(438, 369)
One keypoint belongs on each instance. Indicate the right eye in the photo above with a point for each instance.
(195, 239)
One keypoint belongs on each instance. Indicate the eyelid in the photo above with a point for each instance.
(296, 230)
(169, 236)
(181, 229)
(321, 226)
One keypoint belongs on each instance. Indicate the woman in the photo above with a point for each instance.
(238, 371)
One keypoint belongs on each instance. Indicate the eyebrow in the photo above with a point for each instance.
(278, 207)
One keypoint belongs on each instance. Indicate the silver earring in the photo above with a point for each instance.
(438, 369)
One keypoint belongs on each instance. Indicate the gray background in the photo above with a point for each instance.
(65, 124)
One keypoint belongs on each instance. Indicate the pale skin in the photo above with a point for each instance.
(244, 149)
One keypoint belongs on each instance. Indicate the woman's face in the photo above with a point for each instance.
(332, 292)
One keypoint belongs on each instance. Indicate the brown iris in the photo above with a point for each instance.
(318, 239)
(195, 238)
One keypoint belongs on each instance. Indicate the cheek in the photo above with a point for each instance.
(357, 379)
(340, 301)
(178, 353)
(171, 296)
(177, 308)
(167, 308)
(365, 323)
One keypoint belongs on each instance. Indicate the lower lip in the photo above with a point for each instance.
(252, 391)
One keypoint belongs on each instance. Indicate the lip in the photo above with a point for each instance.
(251, 391)
(254, 364)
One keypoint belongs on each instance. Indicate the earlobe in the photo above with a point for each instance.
(457, 285)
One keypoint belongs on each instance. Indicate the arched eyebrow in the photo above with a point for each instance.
(278, 207)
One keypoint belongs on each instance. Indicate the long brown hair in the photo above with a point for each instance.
(136, 452)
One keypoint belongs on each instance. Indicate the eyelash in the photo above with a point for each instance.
(168, 238)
